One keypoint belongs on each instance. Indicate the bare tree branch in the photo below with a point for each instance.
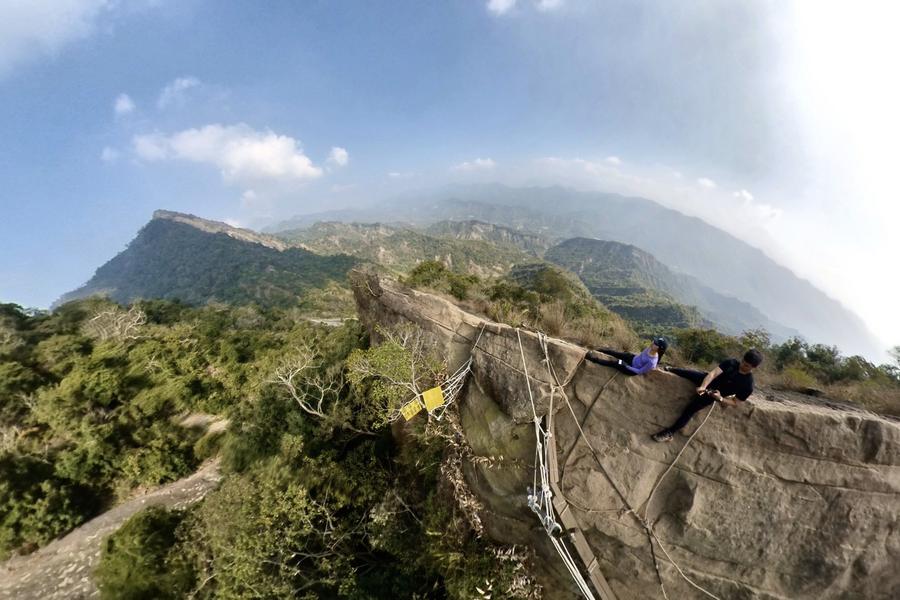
(116, 324)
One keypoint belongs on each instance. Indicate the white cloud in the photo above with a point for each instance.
(109, 155)
(339, 156)
(548, 5)
(479, 164)
(614, 160)
(707, 183)
(241, 153)
(123, 105)
(174, 93)
(150, 147)
(249, 198)
(500, 7)
(750, 220)
(743, 195)
(33, 28)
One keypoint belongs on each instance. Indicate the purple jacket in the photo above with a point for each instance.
(643, 362)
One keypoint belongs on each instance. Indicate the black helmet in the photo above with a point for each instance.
(661, 343)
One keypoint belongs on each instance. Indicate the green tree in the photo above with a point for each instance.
(704, 346)
(791, 351)
(397, 370)
(756, 338)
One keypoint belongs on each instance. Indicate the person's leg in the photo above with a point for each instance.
(626, 356)
(697, 403)
(610, 363)
(695, 377)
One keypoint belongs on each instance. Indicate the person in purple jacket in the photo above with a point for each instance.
(631, 364)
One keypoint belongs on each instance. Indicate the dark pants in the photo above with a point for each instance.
(697, 403)
(695, 377)
(626, 357)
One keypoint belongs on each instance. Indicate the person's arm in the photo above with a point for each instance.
(735, 399)
(708, 379)
(730, 401)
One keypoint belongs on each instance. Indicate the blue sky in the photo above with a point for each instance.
(772, 120)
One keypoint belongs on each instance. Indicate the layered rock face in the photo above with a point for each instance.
(778, 498)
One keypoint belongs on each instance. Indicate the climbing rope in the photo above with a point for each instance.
(677, 457)
(541, 500)
(629, 509)
(455, 383)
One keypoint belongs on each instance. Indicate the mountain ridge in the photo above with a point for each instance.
(178, 256)
(684, 243)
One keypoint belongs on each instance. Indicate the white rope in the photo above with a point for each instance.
(454, 384)
(677, 456)
(642, 520)
(650, 499)
(542, 503)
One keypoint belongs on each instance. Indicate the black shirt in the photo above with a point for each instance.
(731, 382)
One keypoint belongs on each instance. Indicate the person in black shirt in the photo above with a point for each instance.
(729, 383)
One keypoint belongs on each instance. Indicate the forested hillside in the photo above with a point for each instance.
(176, 260)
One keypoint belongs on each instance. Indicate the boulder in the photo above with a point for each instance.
(780, 498)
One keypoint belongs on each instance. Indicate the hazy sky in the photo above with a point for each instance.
(776, 121)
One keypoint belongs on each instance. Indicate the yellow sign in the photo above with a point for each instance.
(433, 398)
(411, 409)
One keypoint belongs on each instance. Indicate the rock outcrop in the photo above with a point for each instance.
(238, 233)
(779, 498)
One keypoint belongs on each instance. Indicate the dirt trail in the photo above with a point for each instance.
(62, 569)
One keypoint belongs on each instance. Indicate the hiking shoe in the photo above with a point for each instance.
(663, 436)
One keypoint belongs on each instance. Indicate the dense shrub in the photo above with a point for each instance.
(35, 504)
(433, 274)
(140, 560)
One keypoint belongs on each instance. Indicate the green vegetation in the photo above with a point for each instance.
(315, 506)
(135, 562)
(91, 396)
(318, 500)
(174, 260)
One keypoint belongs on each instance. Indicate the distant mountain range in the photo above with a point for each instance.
(198, 261)
(183, 257)
(634, 284)
(685, 244)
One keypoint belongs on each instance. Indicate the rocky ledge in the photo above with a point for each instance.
(779, 498)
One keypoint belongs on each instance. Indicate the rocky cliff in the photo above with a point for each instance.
(776, 499)
(238, 233)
